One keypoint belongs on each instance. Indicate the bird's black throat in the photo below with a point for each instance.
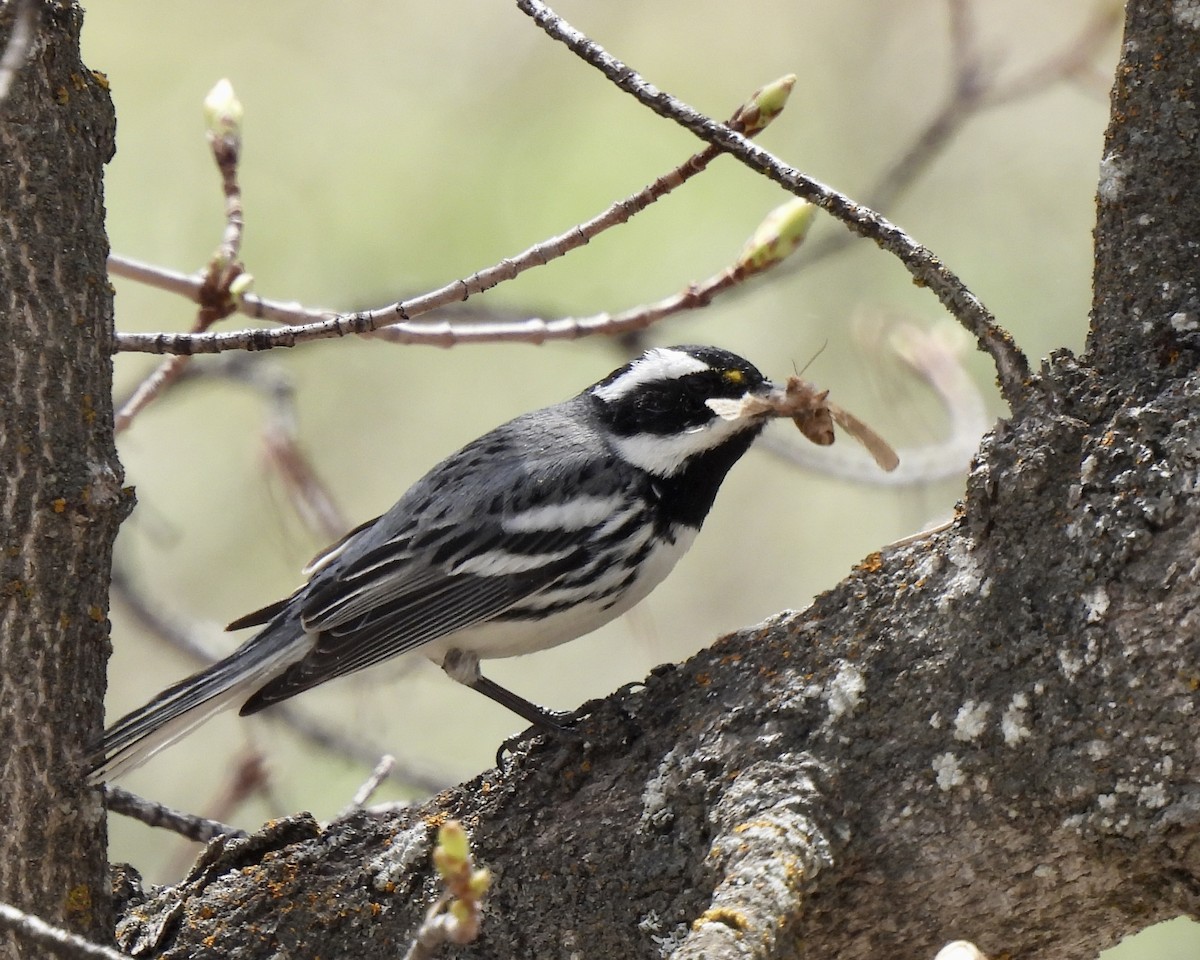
(687, 495)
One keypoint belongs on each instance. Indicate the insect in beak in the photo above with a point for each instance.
(812, 412)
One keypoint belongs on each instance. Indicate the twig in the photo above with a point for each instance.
(535, 330)
(188, 286)
(393, 322)
(16, 51)
(307, 493)
(972, 90)
(292, 312)
(155, 814)
(456, 917)
(216, 291)
(224, 114)
(382, 771)
(57, 940)
(1012, 367)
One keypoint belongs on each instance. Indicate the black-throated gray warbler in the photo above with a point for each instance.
(536, 533)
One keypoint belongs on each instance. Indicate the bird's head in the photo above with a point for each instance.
(658, 407)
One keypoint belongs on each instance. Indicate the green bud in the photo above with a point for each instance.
(479, 883)
(223, 111)
(764, 105)
(452, 842)
(460, 911)
(777, 237)
(241, 285)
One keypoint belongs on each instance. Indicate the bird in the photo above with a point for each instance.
(536, 533)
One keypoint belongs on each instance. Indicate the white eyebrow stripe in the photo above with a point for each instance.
(661, 363)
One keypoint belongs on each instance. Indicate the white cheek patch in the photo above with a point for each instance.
(725, 409)
(664, 455)
(657, 365)
(745, 407)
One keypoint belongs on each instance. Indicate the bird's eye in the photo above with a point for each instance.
(734, 376)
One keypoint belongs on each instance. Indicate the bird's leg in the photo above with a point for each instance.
(463, 666)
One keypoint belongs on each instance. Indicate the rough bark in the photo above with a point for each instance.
(60, 498)
(989, 734)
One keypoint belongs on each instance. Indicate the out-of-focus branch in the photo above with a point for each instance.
(1072, 61)
(935, 363)
(973, 88)
(16, 51)
(307, 493)
(216, 293)
(58, 941)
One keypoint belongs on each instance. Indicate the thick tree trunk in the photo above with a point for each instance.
(989, 734)
(60, 499)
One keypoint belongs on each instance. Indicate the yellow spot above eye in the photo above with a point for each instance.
(734, 376)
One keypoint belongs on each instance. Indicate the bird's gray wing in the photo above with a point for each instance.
(408, 591)
(478, 534)
(438, 583)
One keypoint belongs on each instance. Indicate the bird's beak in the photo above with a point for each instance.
(756, 404)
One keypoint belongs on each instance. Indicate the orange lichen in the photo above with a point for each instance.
(872, 563)
(722, 915)
(78, 902)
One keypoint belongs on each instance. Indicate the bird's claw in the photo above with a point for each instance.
(552, 726)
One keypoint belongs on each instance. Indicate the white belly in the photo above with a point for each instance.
(512, 638)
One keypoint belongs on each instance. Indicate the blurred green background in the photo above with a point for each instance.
(391, 147)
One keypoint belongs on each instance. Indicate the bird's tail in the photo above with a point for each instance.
(136, 737)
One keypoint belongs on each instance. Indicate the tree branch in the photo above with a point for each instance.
(1012, 367)
(216, 293)
(16, 49)
(58, 941)
(391, 322)
(155, 814)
